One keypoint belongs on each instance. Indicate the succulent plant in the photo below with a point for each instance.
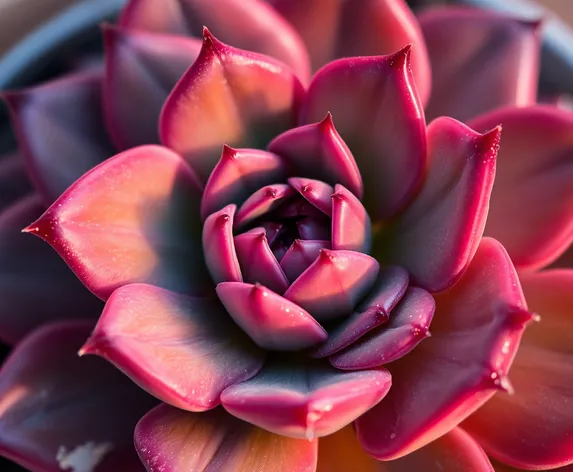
(319, 232)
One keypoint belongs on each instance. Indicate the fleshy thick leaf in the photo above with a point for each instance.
(36, 286)
(532, 202)
(316, 192)
(113, 227)
(455, 451)
(390, 287)
(408, 326)
(305, 399)
(334, 284)
(438, 234)
(537, 421)
(171, 440)
(480, 60)
(59, 412)
(317, 151)
(141, 69)
(60, 130)
(238, 174)
(181, 349)
(332, 29)
(258, 263)
(228, 96)
(14, 182)
(219, 246)
(269, 319)
(390, 148)
(263, 201)
(351, 227)
(246, 24)
(300, 255)
(475, 333)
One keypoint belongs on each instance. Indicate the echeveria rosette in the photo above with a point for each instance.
(328, 192)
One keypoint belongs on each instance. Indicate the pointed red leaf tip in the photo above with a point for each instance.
(351, 226)
(391, 172)
(269, 319)
(34, 279)
(315, 192)
(300, 255)
(455, 451)
(219, 246)
(60, 130)
(334, 284)
(257, 261)
(538, 418)
(305, 400)
(475, 335)
(436, 237)
(532, 203)
(48, 395)
(408, 326)
(493, 57)
(172, 440)
(250, 25)
(333, 29)
(141, 69)
(391, 284)
(239, 173)
(181, 349)
(263, 201)
(228, 96)
(113, 228)
(317, 151)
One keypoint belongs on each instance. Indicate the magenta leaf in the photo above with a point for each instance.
(480, 60)
(172, 440)
(334, 283)
(264, 200)
(351, 227)
(238, 174)
(58, 410)
(36, 286)
(438, 234)
(269, 319)
(538, 419)
(113, 228)
(475, 334)
(317, 151)
(183, 350)
(390, 287)
(228, 96)
(316, 192)
(141, 69)
(246, 24)
(532, 203)
(408, 326)
(305, 399)
(391, 171)
(60, 130)
(300, 255)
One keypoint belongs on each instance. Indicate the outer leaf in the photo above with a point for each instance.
(172, 440)
(305, 399)
(272, 322)
(228, 96)
(538, 419)
(480, 61)
(532, 202)
(36, 286)
(183, 350)
(59, 412)
(438, 234)
(334, 28)
(390, 148)
(60, 130)
(141, 69)
(246, 24)
(475, 335)
(455, 451)
(113, 228)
